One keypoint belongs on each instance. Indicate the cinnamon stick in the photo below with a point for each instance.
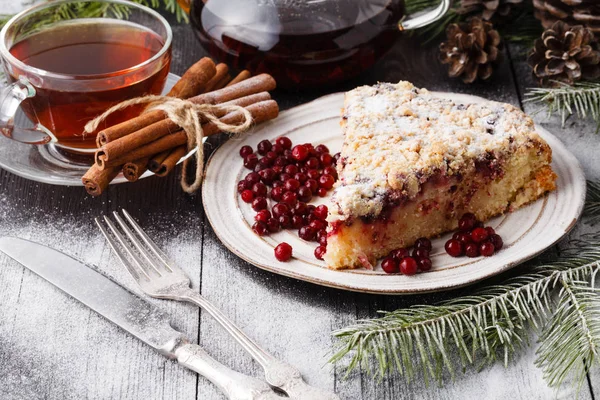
(262, 111)
(97, 179)
(194, 80)
(134, 169)
(171, 161)
(223, 82)
(120, 147)
(156, 161)
(256, 84)
(242, 76)
(190, 84)
(221, 72)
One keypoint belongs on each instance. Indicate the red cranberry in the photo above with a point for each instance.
(311, 217)
(322, 237)
(322, 192)
(321, 212)
(277, 193)
(259, 189)
(259, 167)
(304, 194)
(281, 162)
(260, 228)
(313, 174)
(277, 149)
(307, 233)
(312, 163)
(330, 171)
(265, 162)
(311, 148)
(284, 177)
(472, 250)
(252, 178)
(285, 221)
(399, 254)
(301, 177)
(423, 243)
(271, 155)
(424, 264)
(291, 169)
(479, 235)
(496, 241)
(310, 208)
(243, 185)
(288, 153)
(312, 184)
(273, 225)
(321, 149)
(245, 151)
(326, 159)
(300, 152)
(278, 169)
(297, 222)
(284, 142)
(283, 252)
(390, 265)
(454, 248)
(267, 175)
(289, 197)
(490, 230)
(486, 249)
(420, 252)
(247, 196)
(263, 147)
(320, 252)
(280, 209)
(317, 225)
(336, 157)
(467, 222)
(300, 209)
(259, 203)
(326, 181)
(304, 169)
(464, 237)
(262, 216)
(408, 266)
(291, 185)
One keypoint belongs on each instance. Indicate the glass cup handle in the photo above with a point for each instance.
(409, 23)
(10, 99)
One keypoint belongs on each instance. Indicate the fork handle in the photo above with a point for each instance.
(277, 373)
(234, 385)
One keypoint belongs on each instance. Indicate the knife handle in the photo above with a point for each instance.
(234, 385)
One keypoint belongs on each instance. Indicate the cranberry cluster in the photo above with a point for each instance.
(400, 260)
(291, 177)
(473, 239)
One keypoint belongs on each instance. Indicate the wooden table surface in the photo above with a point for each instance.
(51, 347)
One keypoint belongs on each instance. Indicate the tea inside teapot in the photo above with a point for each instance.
(300, 43)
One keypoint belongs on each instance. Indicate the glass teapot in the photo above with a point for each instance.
(303, 43)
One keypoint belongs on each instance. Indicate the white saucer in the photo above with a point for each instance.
(45, 163)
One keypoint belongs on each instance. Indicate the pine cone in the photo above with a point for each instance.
(488, 10)
(471, 50)
(566, 54)
(573, 12)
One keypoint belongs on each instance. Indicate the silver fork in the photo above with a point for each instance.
(160, 278)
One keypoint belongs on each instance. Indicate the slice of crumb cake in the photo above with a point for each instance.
(412, 164)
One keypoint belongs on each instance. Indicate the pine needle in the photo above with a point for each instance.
(557, 298)
(582, 99)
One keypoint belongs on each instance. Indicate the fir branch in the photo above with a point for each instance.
(582, 99)
(494, 323)
(592, 202)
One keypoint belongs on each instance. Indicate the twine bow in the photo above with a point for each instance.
(188, 116)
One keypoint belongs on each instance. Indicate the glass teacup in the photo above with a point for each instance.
(64, 73)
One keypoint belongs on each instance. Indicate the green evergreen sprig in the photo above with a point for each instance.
(557, 298)
(581, 99)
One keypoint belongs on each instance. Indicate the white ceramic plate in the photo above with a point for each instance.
(526, 232)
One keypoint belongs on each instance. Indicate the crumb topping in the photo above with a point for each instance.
(396, 137)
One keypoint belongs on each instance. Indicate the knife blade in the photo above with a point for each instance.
(136, 316)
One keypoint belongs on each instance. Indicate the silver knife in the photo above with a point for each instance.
(136, 316)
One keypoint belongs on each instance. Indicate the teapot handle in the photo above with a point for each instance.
(409, 23)
(10, 98)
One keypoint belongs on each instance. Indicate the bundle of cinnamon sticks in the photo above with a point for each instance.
(153, 142)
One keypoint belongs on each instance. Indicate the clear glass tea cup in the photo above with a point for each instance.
(65, 71)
